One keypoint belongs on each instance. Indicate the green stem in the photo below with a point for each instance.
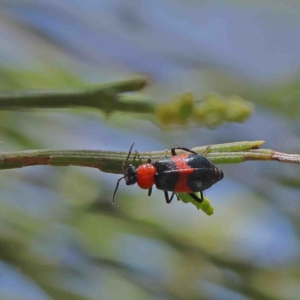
(106, 97)
(111, 162)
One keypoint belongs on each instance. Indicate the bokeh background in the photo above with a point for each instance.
(60, 235)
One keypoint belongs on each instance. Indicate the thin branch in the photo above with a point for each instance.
(105, 97)
(287, 158)
(180, 111)
(111, 161)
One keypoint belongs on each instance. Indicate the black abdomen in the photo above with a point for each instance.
(197, 172)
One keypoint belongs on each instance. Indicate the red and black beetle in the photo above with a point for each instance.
(180, 173)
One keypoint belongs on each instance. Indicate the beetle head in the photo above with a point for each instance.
(130, 175)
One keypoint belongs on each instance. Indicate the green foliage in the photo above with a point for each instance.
(211, 111)
(281, 97)
(204, 206)
(16, 79)
(60, 230)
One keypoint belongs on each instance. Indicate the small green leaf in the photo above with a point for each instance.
(204, 206)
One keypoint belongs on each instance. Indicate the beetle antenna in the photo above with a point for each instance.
(129, 153)
(117, 186)
(123, 166)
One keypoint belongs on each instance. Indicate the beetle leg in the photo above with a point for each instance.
(172, 196)
(166, 153)
(206, 151)
(181, 148)
(197, 198)
(167, 197)
(150, 191)
(137, 154)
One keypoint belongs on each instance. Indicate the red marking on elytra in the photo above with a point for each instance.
(184, 170)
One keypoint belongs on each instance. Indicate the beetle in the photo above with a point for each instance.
(181, 173)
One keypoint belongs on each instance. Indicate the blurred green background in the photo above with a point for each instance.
(60, 235)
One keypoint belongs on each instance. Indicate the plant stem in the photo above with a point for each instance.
(111, 162)
(106, 97)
